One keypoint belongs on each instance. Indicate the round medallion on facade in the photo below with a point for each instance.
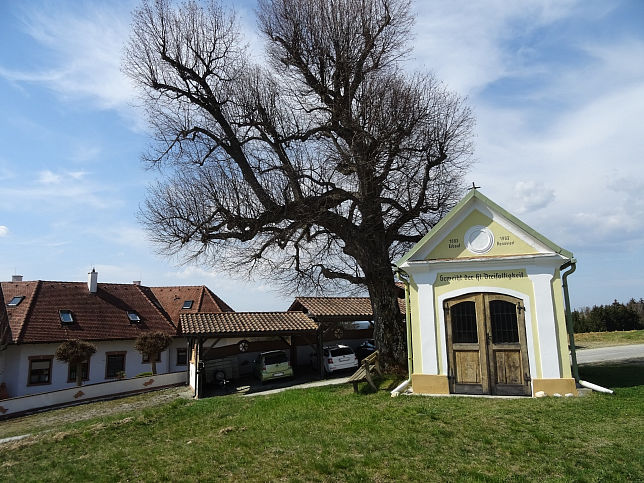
(243, 345)
(479, 239)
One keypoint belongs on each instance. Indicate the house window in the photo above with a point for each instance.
(115, 365)
(66, 316)
(14, 302)
(40, 370)
(133, 316)
(146, 358)
(187, 304)
(71, 374)
(182, 356)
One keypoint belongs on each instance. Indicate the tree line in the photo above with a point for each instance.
(607, 318)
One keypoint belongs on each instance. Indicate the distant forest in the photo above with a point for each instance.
(607, 318)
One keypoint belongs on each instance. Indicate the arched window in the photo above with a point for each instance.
(503, 322)
(464, 322)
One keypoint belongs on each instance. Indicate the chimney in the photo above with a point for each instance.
(16, 278)
(137, 282)
(92, 281)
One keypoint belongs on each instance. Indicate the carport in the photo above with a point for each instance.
(246, 332)
(332, 314)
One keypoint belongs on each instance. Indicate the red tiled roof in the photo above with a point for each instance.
(17, 315)
(5, 330)
(334, 306)
(246, 323)
(173, 298)
(97, 316)
(353, 308)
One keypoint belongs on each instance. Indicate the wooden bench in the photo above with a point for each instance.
(366, 371)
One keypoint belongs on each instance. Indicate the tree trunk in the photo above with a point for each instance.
(153, 360)
(79, 374)
(389, 326)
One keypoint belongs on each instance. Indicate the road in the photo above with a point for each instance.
(608, 354)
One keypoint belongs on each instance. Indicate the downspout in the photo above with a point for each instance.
(404, 277)
(572, 263)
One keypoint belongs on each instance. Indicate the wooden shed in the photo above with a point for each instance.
(487, 311)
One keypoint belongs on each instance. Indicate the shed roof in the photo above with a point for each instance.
(246, 324)
(358, 308)
(338, 308)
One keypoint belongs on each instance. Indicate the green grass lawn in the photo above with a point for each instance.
(591, 340)
(331, 434)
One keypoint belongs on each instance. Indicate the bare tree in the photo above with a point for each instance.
(75, 352)
(151, 345)
(318, 167)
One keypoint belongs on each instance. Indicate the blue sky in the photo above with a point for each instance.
(557, 87)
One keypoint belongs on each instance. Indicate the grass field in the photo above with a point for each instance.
(591, 340)
(331, 434)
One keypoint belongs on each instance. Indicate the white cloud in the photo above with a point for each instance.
(6, 172)
(463, 41)
(87, 42)
(84, 152)
(531, 196)
(84, 43)
(65, 192)
(48, 177)
(4, 231)
(131, 236)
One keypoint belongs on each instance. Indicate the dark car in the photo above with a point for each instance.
(365, 349)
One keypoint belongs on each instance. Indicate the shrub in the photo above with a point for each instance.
(75, 352)
(151, 344)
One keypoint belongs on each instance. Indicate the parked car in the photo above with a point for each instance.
(365, 349)
(273, 365)
(338, 357)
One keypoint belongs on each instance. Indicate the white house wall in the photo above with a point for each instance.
(16, 372)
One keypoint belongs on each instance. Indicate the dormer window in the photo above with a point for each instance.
(133, 316)
(66, 316)
(187, 304)
(14, 302)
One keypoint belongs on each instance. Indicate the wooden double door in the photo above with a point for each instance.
(486, 345)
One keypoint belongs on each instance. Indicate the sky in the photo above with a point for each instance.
(556, 86)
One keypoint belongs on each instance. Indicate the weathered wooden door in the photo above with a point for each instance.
(486, 345)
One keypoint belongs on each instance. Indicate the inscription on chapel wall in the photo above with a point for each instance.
(505, 240)
(481, 276)
(501, 241)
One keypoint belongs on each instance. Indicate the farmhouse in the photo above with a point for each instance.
(36, 316)
(487, 311)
